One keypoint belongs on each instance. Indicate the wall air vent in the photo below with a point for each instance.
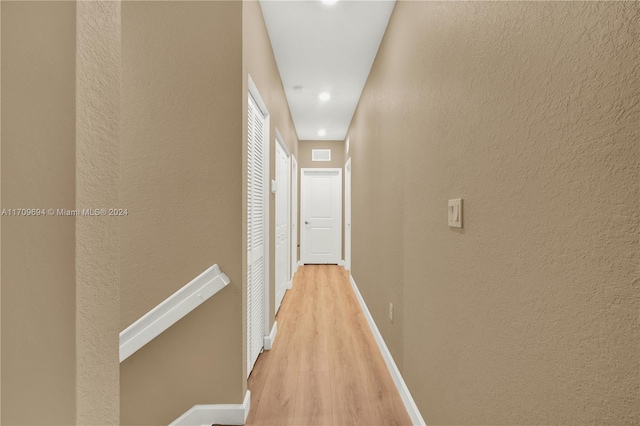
(320, 155)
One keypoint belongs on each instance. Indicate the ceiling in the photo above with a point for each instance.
(325, 48)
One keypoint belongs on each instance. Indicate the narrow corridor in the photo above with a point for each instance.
(325, 367)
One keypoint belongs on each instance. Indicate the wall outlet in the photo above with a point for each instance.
(391, 312)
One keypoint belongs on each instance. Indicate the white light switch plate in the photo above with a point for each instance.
(455, 213)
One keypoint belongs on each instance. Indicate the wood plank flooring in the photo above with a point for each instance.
(325, 368)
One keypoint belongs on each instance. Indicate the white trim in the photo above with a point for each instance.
(300, 263)
(289, 267)
(281, 142)
(253, 89)
(290, 284)
(294, 215)
(255, 93)
(271, 338)
(341, 263)
(206, 415)
(407, 399)
(348, 215)
(171, 310)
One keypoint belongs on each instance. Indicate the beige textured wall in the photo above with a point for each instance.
(259, 62)
(0, 218)
(181, 158)
(337, 154)
(38, 253)
(529, 112)
(97, 238)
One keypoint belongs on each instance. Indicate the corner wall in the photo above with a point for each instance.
(529, 112)
(60, 276)
(181, 159)
(98, 42)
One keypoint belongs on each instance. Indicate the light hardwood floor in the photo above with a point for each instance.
(325, 367)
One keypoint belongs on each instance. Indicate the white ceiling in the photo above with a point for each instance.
(325, 47)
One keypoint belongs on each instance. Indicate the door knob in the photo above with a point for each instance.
(306, 222)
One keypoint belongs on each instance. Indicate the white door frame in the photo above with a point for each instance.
(347, 215)
(286, 187)
(294, 216)
(253, 92)
(302, 211)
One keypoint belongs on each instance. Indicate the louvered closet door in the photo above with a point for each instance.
(256, 153)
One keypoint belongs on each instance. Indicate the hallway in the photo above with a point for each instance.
(156, 196)
(325, 367)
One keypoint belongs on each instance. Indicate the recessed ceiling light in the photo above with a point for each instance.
(322, 132)
(324, 96)
(329, 1)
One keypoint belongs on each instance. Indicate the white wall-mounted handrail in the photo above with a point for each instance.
(171, 310)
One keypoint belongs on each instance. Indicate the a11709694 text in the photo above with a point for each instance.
(61, 212)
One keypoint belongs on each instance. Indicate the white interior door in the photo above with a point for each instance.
(257, 230)
(283, 214)
(347, 215)
(321, 214)
(294, 215)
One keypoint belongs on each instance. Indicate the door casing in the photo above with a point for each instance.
(282, 220)
(255, 95)
(347, 215)
(294, 215)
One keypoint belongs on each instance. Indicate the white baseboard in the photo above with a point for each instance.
(208, 414)
(407, 399)
(271, 338)
(341, 263)
(290, 284)
(300, 263)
